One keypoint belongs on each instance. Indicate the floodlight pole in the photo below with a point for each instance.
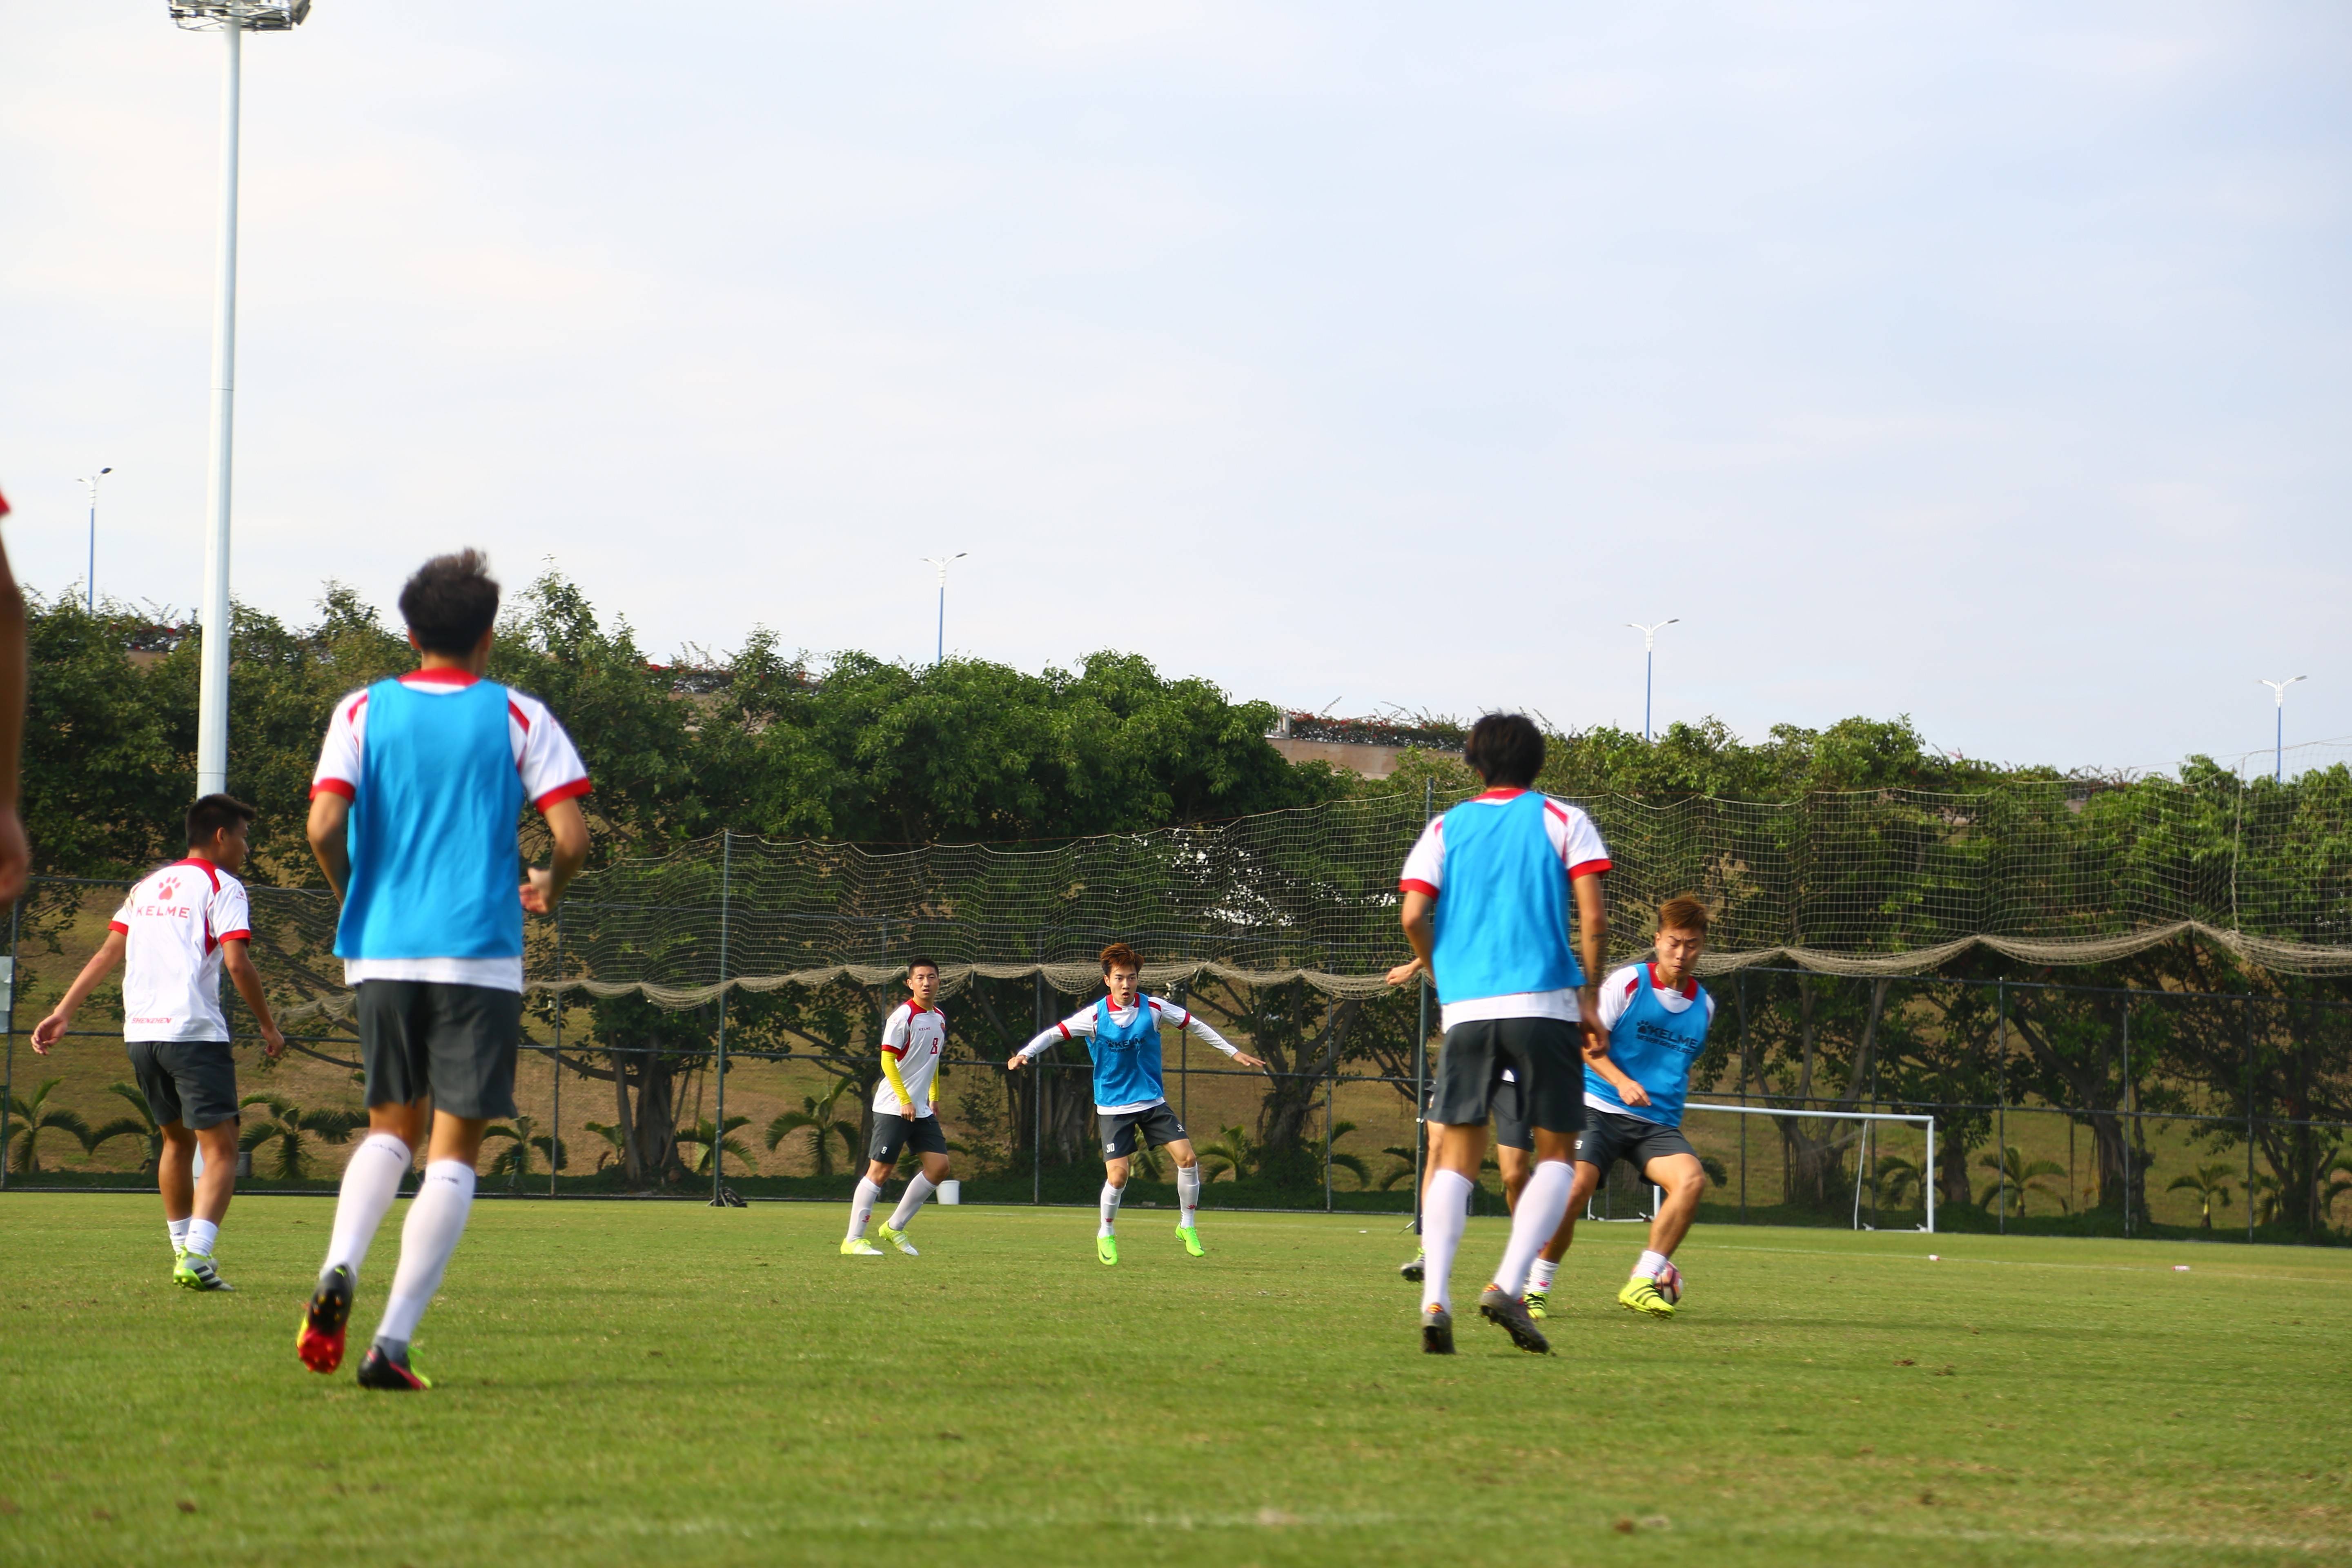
(1649, 663)
(941, 657)
(212, 689)
(2278, 737)
(92, 583)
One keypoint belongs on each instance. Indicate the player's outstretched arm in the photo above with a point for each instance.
(1201, 1029)
(52, 1029)
(247, 981)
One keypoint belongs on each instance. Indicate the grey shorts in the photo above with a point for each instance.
(1511, 1129)
(1609, 1137)
(1154, 1126)
(457, 1043)
(191, 1082)
(892, 1133)
(1547, 1057)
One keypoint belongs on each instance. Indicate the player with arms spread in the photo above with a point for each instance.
(906, 1111)
(1657, 1016)
(1122, 1034)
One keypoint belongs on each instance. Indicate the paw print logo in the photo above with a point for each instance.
(167, 889)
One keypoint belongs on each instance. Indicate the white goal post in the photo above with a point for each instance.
(1861, 1165)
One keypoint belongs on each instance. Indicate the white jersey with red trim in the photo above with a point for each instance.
(913, 1039)
(173, 925)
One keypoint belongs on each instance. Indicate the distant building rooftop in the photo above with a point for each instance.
(1371, 747)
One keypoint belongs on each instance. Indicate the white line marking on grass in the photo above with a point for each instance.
(1998, 1262)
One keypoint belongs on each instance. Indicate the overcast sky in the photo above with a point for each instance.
(1987, 364)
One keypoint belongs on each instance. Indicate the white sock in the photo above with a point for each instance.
(918, 1189)
(203, 1236)
(1540, 1277)
(861, 1207)
(1653, 1264)
(179, 1229)
(1541, 1207)
(436, 1218)
(1110, 1196)
(1445, 1213)
(1188, 1192)
(371, 1182)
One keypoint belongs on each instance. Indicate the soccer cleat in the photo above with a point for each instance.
(858, 1247)
(1510, 1313)
(1413, 1271)
(378, 1370)
(1537, 1300)
(898, 1239)
(1191, 1237)
(1106, 1249)
(320, 1341)
(1436, 1331)
(194, 1271)
(1642, 1295)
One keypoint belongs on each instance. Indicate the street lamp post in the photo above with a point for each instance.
(2278, 738)
(941, 657)
(233, 20)
(1649, 663)
(91, 480)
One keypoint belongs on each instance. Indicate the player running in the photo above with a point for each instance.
(1657, 1016)
(1508, 864)
(412, 818)
(175, 934)
(1514, 1162)
(1122, 1034)
(906, 1111)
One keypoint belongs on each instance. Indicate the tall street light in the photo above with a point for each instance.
(233, 20)
(2278, 742)
(941, 562)
(91, 480)
(1649, 663)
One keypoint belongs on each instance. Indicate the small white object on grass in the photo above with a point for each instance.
(1932, 1257)
(2180, 1268)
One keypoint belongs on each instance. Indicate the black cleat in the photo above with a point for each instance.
(1510, 1314)
(381, 1371)
(1436, 1331)
(1413, 1271)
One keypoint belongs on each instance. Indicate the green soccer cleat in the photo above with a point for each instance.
(1106, 1249)
(194, 1271)
(898, 1239)
(1641, 1296)
(1538, 1299)
(1191, 1237)
(378, 1370)
(1413, 1270)
(858, 1247)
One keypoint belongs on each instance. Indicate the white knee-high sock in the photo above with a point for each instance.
(1541, 1205)
(918, 1189)
(436, 1218)
(1188, 1192)
(861, 1207)
(371, 1182)
(1445, 1213)
(1110, 1196)
(203, 1236)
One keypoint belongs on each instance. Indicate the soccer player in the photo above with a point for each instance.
(412, 818)
(906, 1111)
(1122, 1035)
(1515, 1149)
(178, 930)
(1487, 894)
(1657, 1017)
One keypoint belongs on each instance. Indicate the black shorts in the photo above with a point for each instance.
(1511, 1129)
(1609, 1136)
(1154, 1125)
(191, 1082)
(1546, 1054)
(456, 1043)
(892, 1133)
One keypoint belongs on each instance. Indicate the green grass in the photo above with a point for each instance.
(667, 1383)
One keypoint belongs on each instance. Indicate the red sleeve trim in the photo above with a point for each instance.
(1066, 1030)
(894, 1050)
(334, 787)
(514, 711)
(118, 925)
(235, 936)
(1415, 885)
(571, 791)
(1588, 869)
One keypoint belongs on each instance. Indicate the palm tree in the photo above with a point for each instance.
(2209, 1184)
(1399, 1172)
(703, 1135)
(1231, 1152)
(1344, 1161)
(145, 1127)
(1893, 1180)
(38, 1114)
(817, 1116)
(618, 1153)
(2018, 1176)
(515, 1162)
(288, 1124)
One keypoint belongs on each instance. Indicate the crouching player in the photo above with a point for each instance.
(1122, 1033)
(1657, 1018)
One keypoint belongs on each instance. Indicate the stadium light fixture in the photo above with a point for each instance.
(941, 562)
(2278, 740)
(233, 20)
(91, 480)
(1649, 662)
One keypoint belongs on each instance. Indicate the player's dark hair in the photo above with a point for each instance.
(1684, 913)
(1507, 750)
(451, 601)
(920, 963)
(1118, 956)
(212, 814)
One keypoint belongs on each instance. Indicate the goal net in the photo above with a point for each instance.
(1769, 1164)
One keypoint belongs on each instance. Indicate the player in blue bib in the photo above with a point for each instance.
(1657, 1016)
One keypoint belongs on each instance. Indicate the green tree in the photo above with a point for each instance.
(2209, 1184)
(34, 1116)
(2014, 1174)
(288, 1128)
(818, 1118)
(703, 1136)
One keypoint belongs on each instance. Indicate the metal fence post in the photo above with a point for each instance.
(555, 1109)
(1037, 1094)
(1331, 1092)
(2001, 1096)
(2246, 1035)
(8, 1074)
(2123, 1102)
(719, 1097)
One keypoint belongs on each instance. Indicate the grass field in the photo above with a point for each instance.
(664, 1383)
